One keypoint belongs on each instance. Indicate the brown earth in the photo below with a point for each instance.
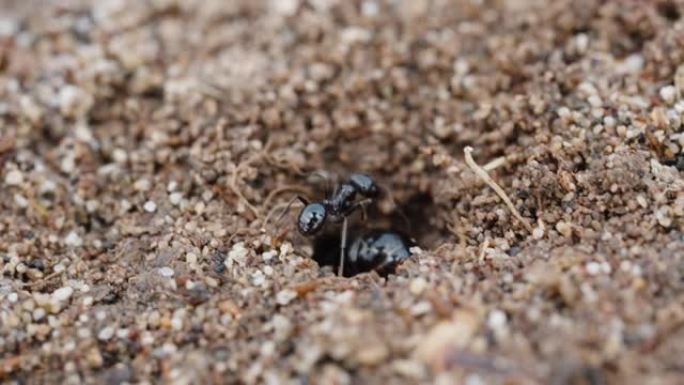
(145, 143)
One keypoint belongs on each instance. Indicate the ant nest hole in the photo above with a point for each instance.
(387, 236)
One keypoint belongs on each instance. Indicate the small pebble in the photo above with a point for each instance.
(191, 258)
(417, 286)
(106, 334)
(593, 268)
(564, 228)
(73, 239)
(284, 297)
(166, 271)
(119, 155)
(142, 185)
(150, 206)
(496, 320)
(14, 178)
(62, 294)
(175, 198)
(668, 94)
(20, 201)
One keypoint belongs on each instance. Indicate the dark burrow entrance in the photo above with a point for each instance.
(383, 241)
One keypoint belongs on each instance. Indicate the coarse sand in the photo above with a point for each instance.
(533, 149)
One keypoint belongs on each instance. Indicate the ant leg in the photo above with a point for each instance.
(399, 211)
(361, 204)
(343, 246)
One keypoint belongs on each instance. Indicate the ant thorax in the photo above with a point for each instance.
(341, 202)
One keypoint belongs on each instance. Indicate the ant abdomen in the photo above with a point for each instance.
(364, 184)
(377, 250)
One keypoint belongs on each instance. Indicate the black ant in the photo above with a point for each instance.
(337, 208)
(379, 250)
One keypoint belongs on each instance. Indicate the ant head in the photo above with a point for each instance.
(364, 184)
(311, 218)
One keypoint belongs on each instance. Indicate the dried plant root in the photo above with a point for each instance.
(482, 174)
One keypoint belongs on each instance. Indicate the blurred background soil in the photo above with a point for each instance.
(144, 145)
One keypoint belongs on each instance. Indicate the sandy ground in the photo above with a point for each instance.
(144, 144)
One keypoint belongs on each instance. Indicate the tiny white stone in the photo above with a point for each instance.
(92, 205)
(496, 320)
(39, 314)
(20, 201)
(595, 101)
(68, 164)
(474, 379)
(125, 205)
(285, 7)
(417, 286)
(73, 101)
(420, 308)
(626, 266)
(593, 268)
(62, 294)
(14, 178)
(150, 206)
(191, 258)
(106, 333)
(538, 233)
(606, 268)
(142, 184)
(47, 186)
(258, 278)
(207, 195)
(175, 198)
(416, 250)
(369, 8)
(176, 323)
(285, 296)
(119, 155)
(285, 249)
(268, 255)
(582, 42)
(13, 297)
(72, 239)
(8, 26)
(166, 272)
(668, 94)
(641, 200)
(633, 63)
(147, 339)
(237, 254)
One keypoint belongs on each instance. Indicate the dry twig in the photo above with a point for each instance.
(482, 174)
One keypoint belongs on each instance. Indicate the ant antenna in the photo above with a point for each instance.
(326, 178)
(286, 209)
(398, 209)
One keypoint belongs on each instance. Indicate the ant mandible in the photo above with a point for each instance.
(337, 208)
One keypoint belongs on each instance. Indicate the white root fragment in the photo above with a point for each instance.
(482, 174)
